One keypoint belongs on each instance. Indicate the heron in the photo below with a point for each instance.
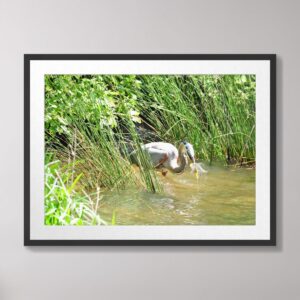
(166, 155)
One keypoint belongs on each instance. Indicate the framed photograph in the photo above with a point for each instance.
(150, 149)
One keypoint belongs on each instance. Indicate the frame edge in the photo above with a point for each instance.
(29, 242)
(26, 150)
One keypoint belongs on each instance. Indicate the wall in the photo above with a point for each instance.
(142, 26)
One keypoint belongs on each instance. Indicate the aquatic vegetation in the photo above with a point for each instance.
(63, 204)
(215, 113)
(112, 115)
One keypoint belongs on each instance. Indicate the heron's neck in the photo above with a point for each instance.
(181, 163)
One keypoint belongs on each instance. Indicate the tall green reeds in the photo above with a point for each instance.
(92, 122)
(216, 113)
(103, 155)
(64, 205)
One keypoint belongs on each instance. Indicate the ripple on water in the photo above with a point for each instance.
(224, 196)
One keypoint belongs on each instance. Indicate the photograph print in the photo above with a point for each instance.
(149, 150)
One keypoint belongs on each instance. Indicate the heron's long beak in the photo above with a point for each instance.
(192, 158)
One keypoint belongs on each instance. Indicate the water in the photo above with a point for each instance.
(223, 196)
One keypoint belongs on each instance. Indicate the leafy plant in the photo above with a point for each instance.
(94, 121)
(63, 204)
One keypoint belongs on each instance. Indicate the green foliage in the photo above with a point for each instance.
(216, 113)
(63, 204)
(98, 100)
(92, 109)
(90, 121)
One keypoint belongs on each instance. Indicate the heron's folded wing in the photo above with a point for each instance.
(156, 155)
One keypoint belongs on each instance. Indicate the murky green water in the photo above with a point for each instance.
(224, 196)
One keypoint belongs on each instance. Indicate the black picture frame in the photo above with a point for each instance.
(31, 57)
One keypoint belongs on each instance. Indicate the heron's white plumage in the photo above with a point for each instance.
(166, 155)
(166, 152)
